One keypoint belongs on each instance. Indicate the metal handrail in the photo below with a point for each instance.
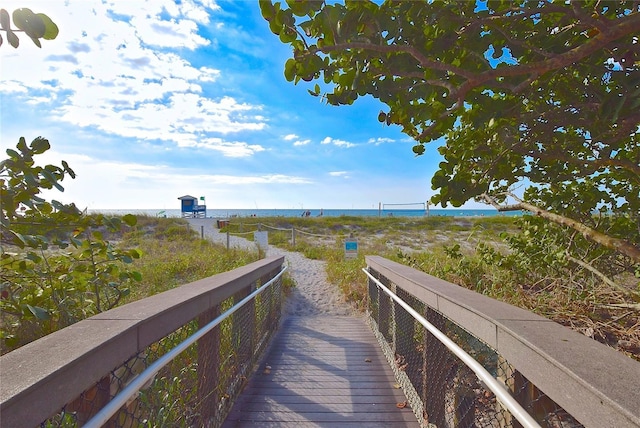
(111, 408)
(501, 392)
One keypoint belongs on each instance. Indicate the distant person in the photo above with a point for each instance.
(321, 212)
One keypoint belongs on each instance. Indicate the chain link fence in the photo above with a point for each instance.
(197, 388)
(440, 388)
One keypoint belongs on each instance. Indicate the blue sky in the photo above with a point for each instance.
(149, 101)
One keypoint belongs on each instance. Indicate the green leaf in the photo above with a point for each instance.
(34, 257)
(290, 69)
(12, 39)
(130, 219)
(51, 29)
(40, 145)
(38, 312)
(13, 154)
(52, 179)
(266, 9)
(5, 20)
(29, 22)
(136, 275)
(18, 239)
(68, 169)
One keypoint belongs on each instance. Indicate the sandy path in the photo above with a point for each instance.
(313, 294)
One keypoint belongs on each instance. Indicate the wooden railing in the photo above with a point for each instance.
(68, 376)
(561, 377)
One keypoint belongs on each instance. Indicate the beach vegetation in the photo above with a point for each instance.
(58, 264)
(479, 253)
(534, 107)
(173, 254)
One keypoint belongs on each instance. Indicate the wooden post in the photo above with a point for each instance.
(404, 326)
(436, 361)
(243, 326)
(384, 313)
(506, 374)
(91, 401)
(208, 367)
(293, 236)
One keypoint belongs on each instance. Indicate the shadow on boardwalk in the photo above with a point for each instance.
(322, 371)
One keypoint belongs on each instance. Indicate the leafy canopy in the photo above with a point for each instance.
(540, 94)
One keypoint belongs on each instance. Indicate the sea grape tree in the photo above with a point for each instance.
(535, 104)
(57, 265)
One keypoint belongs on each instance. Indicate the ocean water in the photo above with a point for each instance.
(229, 213)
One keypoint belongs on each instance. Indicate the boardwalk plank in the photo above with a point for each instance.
(322, 371)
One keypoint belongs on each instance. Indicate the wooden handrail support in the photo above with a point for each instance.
(596, 384)
(41, 377)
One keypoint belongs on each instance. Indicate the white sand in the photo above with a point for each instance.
(313, 294)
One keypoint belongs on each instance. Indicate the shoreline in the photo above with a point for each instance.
(222, 214)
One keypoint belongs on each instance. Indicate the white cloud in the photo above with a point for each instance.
(12, 87)
(380, 140)
(301, 142)
(102, 184)
(344, 174)
(231, 149)
(258, 179)
(109, 73)
(338, 143)
(290, 137)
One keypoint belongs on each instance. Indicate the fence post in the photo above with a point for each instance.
(208, 367)
(202, 232)
(227, 237)
(505, 373)
(436, 361)
(403, 336)
(293, 236)
(384, 313)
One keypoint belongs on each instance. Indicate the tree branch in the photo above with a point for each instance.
(599, 274)
(410, 50)
(587, 18)
(617, 244)
(625, 26)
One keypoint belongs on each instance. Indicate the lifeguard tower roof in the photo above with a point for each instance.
(182, 198)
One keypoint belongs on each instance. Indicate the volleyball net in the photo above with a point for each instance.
(408, 208)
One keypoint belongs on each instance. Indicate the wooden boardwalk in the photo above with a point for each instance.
(322, 371)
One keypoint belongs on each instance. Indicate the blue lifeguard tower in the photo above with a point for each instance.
(190, 207)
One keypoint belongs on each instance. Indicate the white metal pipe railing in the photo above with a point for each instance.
(501, 392)
(111, 408)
